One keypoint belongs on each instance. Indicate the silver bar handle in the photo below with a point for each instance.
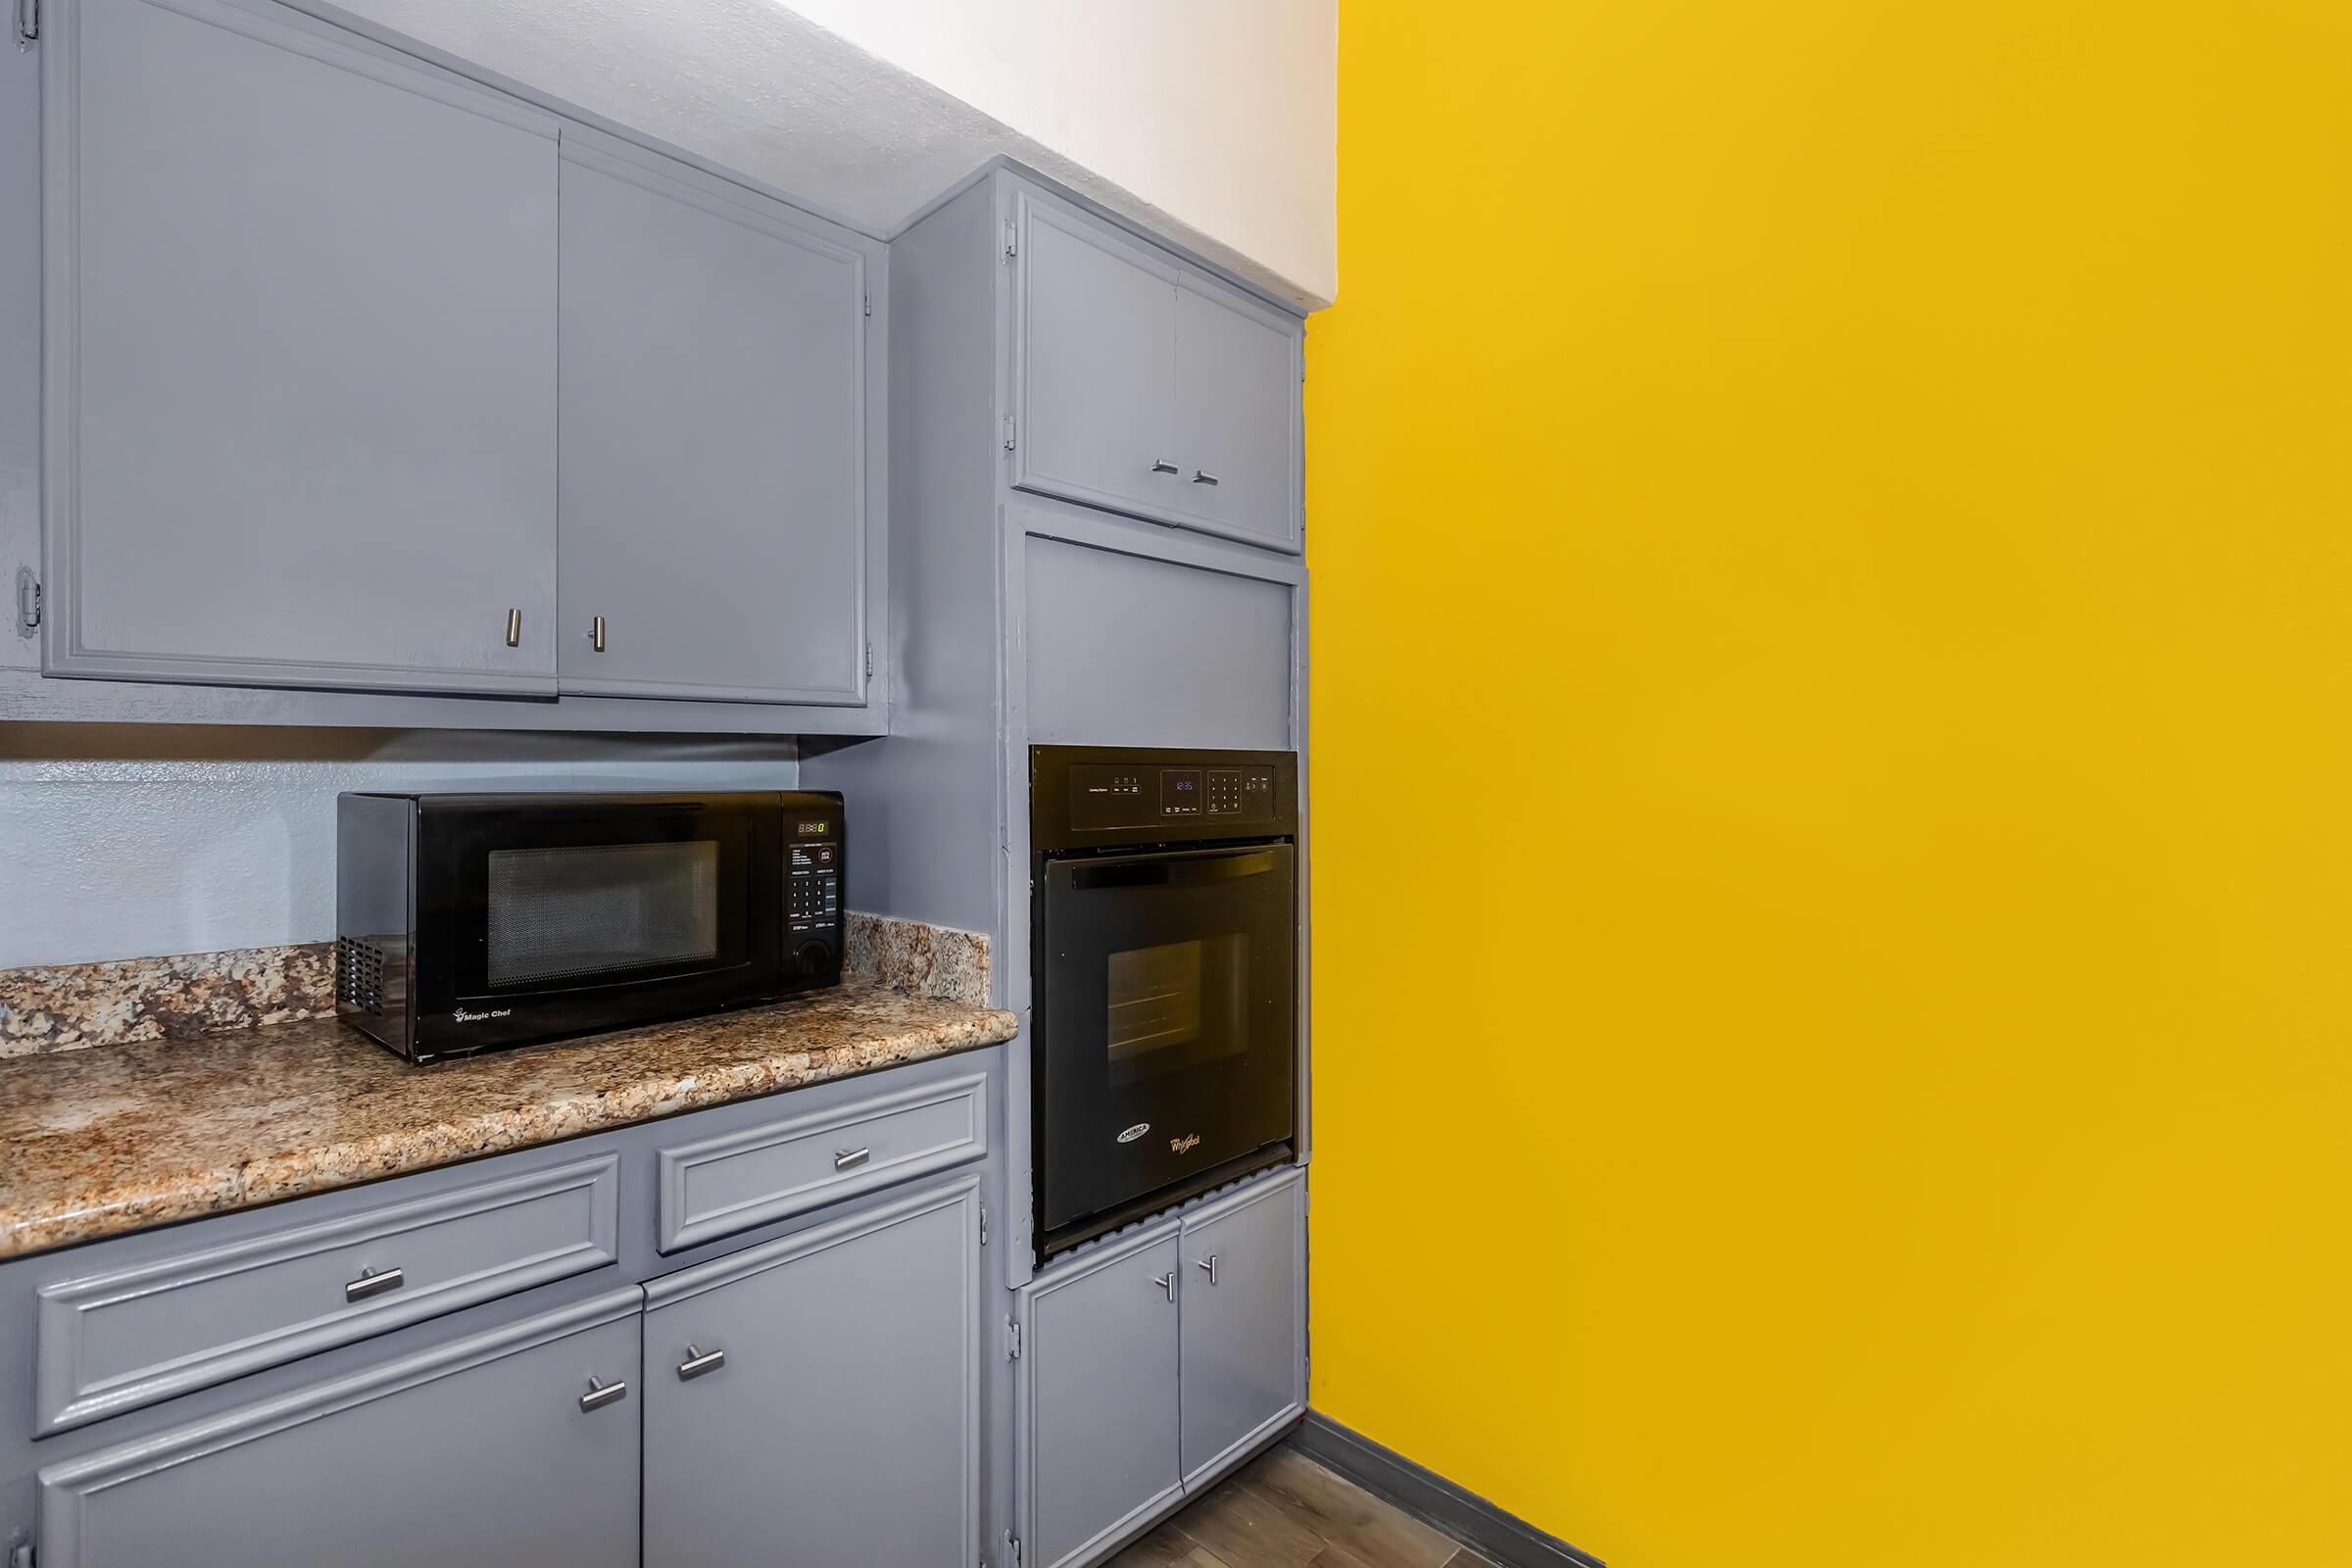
(1208, 1267)
(513, 628)
(601, 1393)
(1164, 465)
(596, 632)
(373, 1282)
(850, 1158)
(1203, 476)
(697, 1363)
(1168, 1283)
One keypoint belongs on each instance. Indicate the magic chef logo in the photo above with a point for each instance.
(1177, 1146)
(463, 1016)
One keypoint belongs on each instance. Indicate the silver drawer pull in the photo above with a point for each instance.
(697, 1363)
(513, 628)
(1168, 1283)
(1203, 476)
(1208, 1267)
(601, 1393)
(372, 1283)
(1164, 465)
(851, 1158)
(596, 632)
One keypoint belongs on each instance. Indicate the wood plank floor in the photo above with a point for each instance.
(1284, 1510)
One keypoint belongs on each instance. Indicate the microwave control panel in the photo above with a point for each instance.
(1114, 795)
(812, 886)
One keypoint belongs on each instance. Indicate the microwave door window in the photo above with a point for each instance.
(572, 914)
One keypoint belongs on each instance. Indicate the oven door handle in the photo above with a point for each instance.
(1185, 871)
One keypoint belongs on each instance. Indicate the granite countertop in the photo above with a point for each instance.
(117, 1138)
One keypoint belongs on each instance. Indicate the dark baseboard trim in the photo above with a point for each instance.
(1510, 1540)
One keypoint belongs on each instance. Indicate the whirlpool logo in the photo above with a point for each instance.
(463, 1016)
(1177, 1146)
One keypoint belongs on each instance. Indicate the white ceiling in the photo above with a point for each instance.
(1227, 149)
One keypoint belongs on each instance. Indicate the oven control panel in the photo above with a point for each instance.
(1107, 796)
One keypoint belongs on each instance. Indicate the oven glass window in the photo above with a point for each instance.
(585, 911)
(1177, 1005)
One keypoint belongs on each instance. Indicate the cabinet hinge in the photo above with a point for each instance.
(869, 660)
(1012, 1340)
(20, 1556)
(1009, 432)
(1012, 1549)
(983, 1224)
(869, 302)
(28, 33)
(28, 603)
(1012, 243)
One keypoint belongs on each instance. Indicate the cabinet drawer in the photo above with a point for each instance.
(128, 1337)
(716, 1187)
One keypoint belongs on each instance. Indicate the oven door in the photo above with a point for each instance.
(1166, 1013)
(548, 919)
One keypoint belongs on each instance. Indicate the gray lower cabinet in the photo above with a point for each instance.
(1244, 1323)
(1154, 1362)
(714, 514)
(299, 364)
(1142, 385)
(817, 1399)
(496, 1448)
(1098, 1429)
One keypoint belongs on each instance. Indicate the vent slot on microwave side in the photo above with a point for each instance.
(360, 975)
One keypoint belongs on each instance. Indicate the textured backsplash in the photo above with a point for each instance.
(49, 1007)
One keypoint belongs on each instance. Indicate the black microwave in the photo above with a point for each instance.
(471, 922)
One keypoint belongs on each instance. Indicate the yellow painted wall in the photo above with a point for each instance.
(1857, 497)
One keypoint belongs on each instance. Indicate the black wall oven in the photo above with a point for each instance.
(1166, 961)
(468, 922)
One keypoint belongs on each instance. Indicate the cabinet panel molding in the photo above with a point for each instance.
(299, 359)
(134, 1336)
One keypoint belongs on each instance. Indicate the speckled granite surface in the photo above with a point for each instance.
(68, 1006)
(923, 961)
(96, 1143)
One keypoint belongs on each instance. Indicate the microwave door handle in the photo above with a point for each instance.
(1192, 870)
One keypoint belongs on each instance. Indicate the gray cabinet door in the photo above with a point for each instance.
(1095, 378)
(1097, 1438)
(817, 1400)
(1237, 404)
(1245, 1322)
(477, 1451)
(713, 438)
(300, 357)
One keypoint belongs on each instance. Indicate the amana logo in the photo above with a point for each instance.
(1177, 1146)
(1134, 1132)
(463, 1016)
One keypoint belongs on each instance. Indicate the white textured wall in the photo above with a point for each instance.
(136, 841)
(1212, 120)
(1220, 114)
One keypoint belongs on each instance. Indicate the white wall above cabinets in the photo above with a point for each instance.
(1213, 122)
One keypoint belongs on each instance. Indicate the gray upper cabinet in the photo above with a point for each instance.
(1142, 385)
(817, 1399)
(1097, 1423)
(715, 511)
(1237, 407)
(496, 1448)
(1095, 416)
(1245, 1322)
(299, 359)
